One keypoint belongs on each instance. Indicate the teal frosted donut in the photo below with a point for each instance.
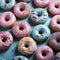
(2, 58)
(20, 58)
(40, 33)
(39, 16)
(7, 4)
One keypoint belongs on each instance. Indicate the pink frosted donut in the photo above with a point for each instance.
(7, 19)
(21, 10)
(21, 29)
(55, 23)
(6, 40)
(54, 7)
(44, 53)
(41, 3)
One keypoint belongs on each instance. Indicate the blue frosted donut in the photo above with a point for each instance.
(40, 33)
(1, 58)
(7, 4)
(39, 16)
(20, 58)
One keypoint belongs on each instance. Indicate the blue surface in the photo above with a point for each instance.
(12, 51)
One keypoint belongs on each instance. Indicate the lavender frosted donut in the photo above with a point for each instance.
(57, 56)
(7, 19)
(27, 46)
(44, 53)
(54, 41)
(54, 7)
(22, 10)
(21, 29)
(41, 3)
(55, 23)
(6, 40)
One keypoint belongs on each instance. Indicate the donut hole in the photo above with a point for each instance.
(58, 40)
(56, 6)
(39, 15)
(22, 8)
(44, 53)
(58, 22)
(4, 39)
(40, 32)
(7, 1)
(26, 45)
(21, 28)
(7, 18)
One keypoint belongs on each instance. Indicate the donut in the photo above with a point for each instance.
(54, 7)
(54, 41)
(40, 33)
(27, 46)
(41, 3)
(7, 19)
(7, 4)
(2, 58)
(6, 40)
(21, 10)
(55, 23)
(21, 29)
(44, 53)
(57, 56)
(20, 58)
(39, 16)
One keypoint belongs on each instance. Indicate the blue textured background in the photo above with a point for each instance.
(12, 51)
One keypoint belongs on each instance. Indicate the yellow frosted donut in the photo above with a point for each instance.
(26, 46)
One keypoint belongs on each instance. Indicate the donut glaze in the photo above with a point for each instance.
(39, 16)
(20, 58)
(55, 23)
(41, 3)
(54, 7)
(7, 4)
(44, 53)
(21, 10)
(6, 40)
(27, 46)
(40, 33)
(21, 29)
(57, 56)
(54, 41)
(7, 19)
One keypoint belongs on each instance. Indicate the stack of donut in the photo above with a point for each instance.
(45, 29)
